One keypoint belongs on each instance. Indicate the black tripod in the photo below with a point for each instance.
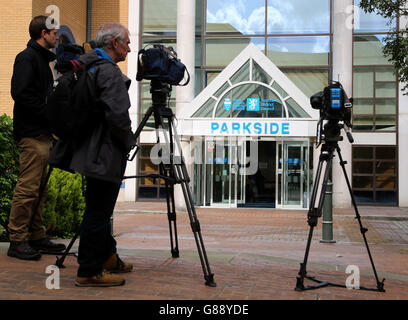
(173, 171)
(331, 137)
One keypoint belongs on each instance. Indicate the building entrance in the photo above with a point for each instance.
(240, 172)
(260, 188)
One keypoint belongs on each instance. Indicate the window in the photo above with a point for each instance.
(149, 188)
(159, 17)
(375, 174)
(282, 17)
(251, 92)
(375, 88)
(299, 51)
(369, 22)
(294, 34)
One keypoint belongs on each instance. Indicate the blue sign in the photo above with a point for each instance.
(246, 127)
(335, 94)
(227, 104)
(335, 104)
(253, 104)
(268, 104)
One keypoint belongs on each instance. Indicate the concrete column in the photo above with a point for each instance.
(129, 193)
(343, 72)
(184, 95)
(402, 138)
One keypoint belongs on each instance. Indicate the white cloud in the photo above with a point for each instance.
(283, 16)
(231, 14)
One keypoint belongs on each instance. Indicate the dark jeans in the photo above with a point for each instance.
(96, 243)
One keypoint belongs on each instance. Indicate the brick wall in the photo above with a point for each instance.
(110, 11)
(14, 20)
(15, 16)
(72, 14)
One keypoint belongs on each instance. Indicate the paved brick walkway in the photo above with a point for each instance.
(254, 254)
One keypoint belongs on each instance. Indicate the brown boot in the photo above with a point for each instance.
(103, 279)
(115, 265)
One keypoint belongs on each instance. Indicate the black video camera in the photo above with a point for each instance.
(334, 106)
(333, 103)
(161, 63)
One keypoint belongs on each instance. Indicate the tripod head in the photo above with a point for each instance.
(331, 132)
(161, 92)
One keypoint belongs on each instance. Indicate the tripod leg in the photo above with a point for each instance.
(180, 172)
(60, 261)
(195, 224)
(313, 214)
(177, 173)
(380, 285)
(167, 171)
(171, 214)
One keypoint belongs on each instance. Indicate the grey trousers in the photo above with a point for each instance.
(25, 222)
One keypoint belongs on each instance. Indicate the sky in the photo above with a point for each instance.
(248, 16)
(286, 17)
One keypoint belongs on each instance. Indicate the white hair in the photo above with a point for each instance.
(108, 32)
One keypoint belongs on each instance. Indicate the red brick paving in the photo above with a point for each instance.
(254, 254)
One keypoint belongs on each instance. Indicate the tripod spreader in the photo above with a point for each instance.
(312, 216)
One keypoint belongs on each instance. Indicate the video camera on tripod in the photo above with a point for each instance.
(334, 106)
(160, 63)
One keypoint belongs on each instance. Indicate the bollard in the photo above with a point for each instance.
(327, 229)
(111, 224)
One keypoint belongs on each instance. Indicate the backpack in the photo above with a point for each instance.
(70, 102)
(66, 52)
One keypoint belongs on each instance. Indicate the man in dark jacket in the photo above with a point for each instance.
(31, 79)
(101, 156)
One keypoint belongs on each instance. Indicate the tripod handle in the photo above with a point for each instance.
(131, 157)
(347, 127)
(349, 137)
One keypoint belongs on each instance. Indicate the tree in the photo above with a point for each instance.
(396, 42)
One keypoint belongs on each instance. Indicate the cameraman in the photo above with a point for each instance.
(101, 157)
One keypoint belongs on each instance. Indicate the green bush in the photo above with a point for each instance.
(65, 203)
(9, 166)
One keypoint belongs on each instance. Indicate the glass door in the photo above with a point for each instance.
(221, 174)
(292, 174)
(240, 166)
(223, 179)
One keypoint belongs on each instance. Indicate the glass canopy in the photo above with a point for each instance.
(251, 93)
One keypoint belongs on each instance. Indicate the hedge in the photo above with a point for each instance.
(65, 203)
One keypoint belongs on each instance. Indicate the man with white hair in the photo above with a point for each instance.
(101, 156)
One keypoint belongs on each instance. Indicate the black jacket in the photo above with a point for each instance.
(32, 77)
(101, 154)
